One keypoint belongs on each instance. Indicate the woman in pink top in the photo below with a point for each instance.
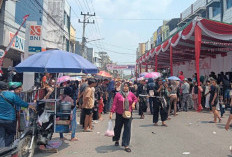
(123, 100)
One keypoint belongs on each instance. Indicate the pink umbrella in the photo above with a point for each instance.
(143, 74)
(153, 75)
(157, 74)
(63, 79)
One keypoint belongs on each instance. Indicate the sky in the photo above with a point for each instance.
(122, 24)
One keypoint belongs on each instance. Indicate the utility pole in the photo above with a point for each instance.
(85, 22)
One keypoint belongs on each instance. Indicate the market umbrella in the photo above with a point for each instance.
(56, 61)
(174, 78)
(143, 74)
(153, 75)
(63, 79)
(156, 74)
(104, 74)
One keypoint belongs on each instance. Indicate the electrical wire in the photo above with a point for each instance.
(115, 51)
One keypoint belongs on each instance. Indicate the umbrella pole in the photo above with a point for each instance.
(56, 87)
(55, 104)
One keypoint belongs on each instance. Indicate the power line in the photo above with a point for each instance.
(139, 19)
(119, 47)
(114, 51)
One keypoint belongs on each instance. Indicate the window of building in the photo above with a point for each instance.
(228, 4)
(216, 11)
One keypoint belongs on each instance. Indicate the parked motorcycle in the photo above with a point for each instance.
(38, 133)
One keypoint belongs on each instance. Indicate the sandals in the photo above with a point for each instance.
(74, 139)
(116, 144)
(87, 131)
(164, 125)
(128, 150)
(220, 120)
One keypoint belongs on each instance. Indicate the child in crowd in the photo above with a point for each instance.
(222, 105)
(207, 96)
(100, 107)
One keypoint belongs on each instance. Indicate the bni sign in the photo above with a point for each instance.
(35, 32)
(35, 37)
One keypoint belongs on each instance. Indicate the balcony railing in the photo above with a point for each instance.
(187, 12)
(199, 4)
(212, 3)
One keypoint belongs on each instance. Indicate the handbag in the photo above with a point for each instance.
(163, 102)
(126, 114)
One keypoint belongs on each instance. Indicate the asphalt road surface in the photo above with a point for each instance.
(188, 134)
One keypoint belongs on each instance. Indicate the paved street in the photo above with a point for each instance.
(187, 133)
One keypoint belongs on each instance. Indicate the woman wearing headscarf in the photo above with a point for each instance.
(123, 101)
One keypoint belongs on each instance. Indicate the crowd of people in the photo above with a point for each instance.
(94, 97)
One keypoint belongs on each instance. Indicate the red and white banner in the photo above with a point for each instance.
(119, 67)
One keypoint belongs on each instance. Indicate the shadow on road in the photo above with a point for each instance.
(108, 149)
(147, 125)
(39, 153)
(204, 122)
(221, 126)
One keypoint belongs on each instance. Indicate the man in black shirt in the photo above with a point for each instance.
(213, 100)
(158, 108)
(142, 98)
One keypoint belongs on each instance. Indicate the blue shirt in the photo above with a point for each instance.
(111, 86)
(7, 111)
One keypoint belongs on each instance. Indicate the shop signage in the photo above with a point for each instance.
(2, 52)
(18, 43)
(120, 67)
(34, 49)
(34, 34)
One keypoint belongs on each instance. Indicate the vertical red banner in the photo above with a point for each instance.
(146, 68)
(171, 60)
(198, 34)
(156, 63)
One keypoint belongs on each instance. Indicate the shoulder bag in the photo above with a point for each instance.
(126, 114)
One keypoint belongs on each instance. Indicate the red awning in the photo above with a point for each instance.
(216, 39)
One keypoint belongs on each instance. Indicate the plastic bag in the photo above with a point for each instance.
(43, 118)
(109, 132)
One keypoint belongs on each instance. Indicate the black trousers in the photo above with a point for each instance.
(142, 105)
(119, 122)
(82, 118)
(158, 109)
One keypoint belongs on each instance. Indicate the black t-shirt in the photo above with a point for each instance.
(213, 90)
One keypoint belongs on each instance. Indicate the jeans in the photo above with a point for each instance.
(7, 132)
(110, 101)
(73, 125)
(151, 104)
(222, 110)
(119, 122)
(185, 101)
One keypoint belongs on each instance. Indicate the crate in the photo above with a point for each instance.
(62, 128)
